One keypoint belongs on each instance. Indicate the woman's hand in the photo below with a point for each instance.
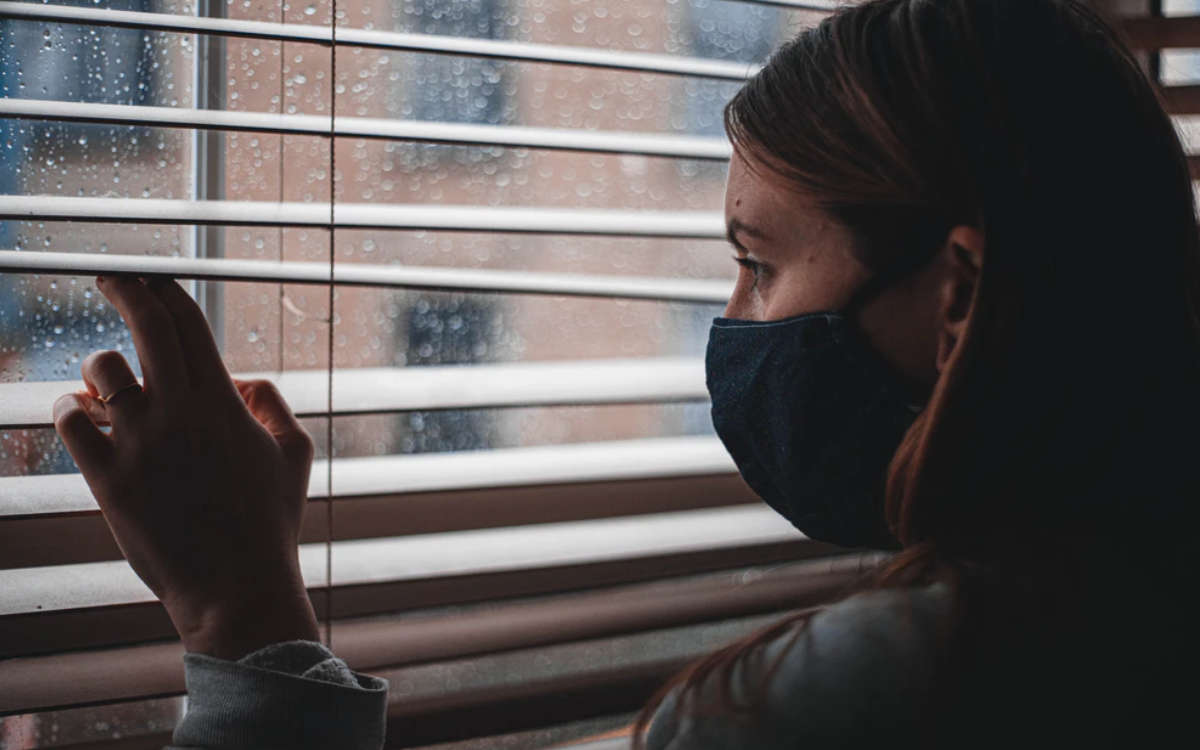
(202, 480)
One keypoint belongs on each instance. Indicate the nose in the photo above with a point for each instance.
(738, 306)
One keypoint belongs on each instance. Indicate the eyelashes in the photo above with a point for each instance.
(750, 264)
(754, 267)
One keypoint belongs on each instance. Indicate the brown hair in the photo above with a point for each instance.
(1054, 466)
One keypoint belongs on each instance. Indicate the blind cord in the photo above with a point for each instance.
(282, 197)
(332, 318)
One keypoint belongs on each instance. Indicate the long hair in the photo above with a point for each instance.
(1051, 479)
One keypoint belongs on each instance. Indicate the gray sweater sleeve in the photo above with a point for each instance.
(853, 675)
(295, 695)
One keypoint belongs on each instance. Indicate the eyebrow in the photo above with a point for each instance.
(735, 226)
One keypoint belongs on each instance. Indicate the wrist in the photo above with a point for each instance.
(233, 628)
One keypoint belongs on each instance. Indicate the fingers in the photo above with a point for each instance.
(268, 407)
(153, 329)
(95, 409)
(106, 375)
(200, 351)
(91, 448)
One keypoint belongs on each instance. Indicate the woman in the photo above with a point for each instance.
(965, 325)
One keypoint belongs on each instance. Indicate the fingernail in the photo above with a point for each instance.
(66, 403)
(100, 280)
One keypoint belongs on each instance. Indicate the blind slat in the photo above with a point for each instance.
(643, 62)
(134, 672)
(704, 291)
(376, 390)
(1149, 32)
(431, 556)
(1181, 100)
(817, 5)
(430, 472)
(1162, 33)
(37, 539)
(432, 217)
(97, 627)
(506, 467)
(645, 144)
(640, 62)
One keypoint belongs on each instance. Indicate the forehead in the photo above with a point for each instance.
(756, 196)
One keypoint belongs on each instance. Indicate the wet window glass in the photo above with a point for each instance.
(452, 89)
(50, 322)
(724, 31)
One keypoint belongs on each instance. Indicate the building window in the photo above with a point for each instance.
(450, 88)
(447, 329)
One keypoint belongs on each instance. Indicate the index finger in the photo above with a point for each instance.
(200, 351)
(153, 330)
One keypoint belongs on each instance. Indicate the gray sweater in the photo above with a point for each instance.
(855, 673)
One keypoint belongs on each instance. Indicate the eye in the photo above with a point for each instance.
(754, 267)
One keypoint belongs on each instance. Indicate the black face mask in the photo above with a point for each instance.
(811, 416)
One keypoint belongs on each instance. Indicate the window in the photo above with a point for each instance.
(526, 249)
(447, 330)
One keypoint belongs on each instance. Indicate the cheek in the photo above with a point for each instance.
(795, 292)
(901, 326)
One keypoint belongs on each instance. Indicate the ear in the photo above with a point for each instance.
(962, 259)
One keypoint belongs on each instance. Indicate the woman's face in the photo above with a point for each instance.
(795, 259)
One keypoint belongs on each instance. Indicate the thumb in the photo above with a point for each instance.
(266, 403)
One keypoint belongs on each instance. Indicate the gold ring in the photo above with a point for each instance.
(106, 400)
